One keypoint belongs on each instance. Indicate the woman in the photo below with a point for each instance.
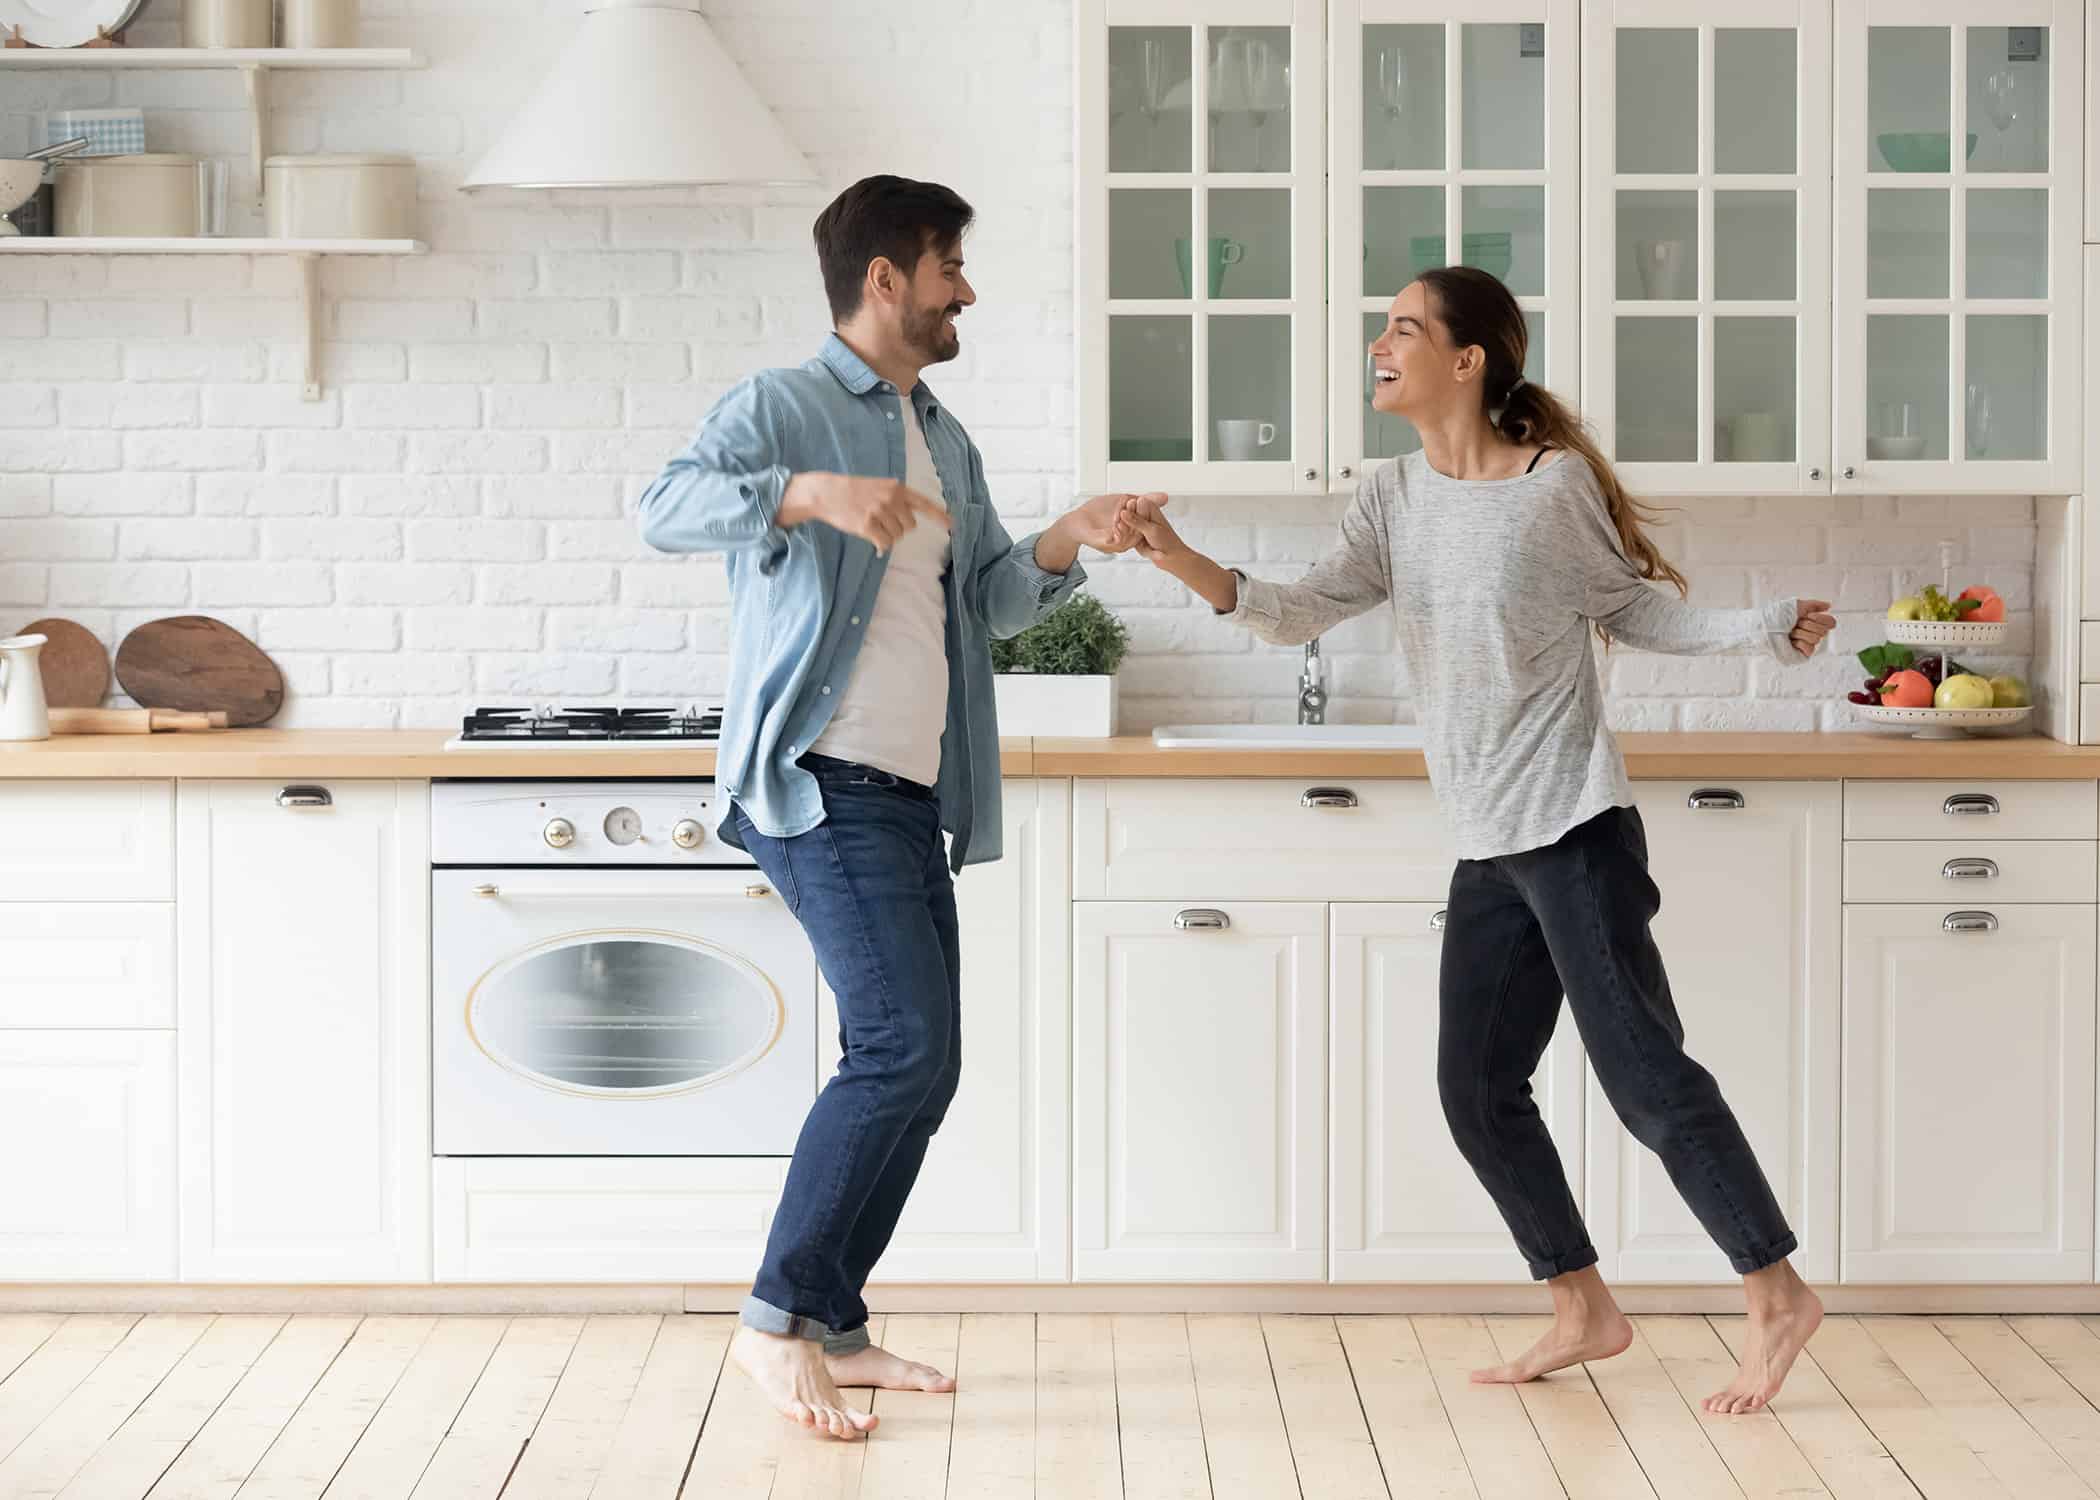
(1500, 545)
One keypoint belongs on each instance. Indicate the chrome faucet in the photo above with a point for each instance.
(1312, 686)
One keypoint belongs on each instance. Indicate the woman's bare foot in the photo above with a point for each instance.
(1783, 1314)
(791, 1374)
(1587, 1325)
(877, 1367)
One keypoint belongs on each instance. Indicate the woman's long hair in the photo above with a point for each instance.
(1478, 309)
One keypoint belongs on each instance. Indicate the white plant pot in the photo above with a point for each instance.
(1055, 707)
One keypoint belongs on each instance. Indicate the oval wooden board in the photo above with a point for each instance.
(74, 661)
(198, 664)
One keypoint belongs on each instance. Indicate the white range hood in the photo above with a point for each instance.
(644, 96)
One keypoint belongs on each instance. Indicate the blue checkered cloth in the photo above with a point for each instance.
(110, 132)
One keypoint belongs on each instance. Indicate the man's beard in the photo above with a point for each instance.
(923, 331)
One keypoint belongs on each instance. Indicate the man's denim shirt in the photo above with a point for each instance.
(802, 599)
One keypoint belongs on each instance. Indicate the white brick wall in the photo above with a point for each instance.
(450, 523)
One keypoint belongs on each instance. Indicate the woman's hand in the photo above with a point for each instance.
(1161, 545)
(1812, 621)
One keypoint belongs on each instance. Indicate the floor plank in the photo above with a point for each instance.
(2043, 1399)
(2020, 1457)
(574, 1436)
(476, 1456)
(1077, 1453)
(1933, 1457)
(1758, 1452)
(1502, 1448)
(910, 1460)
(1417, 1449)
(2071, 1349)
(1588, 1450)
(991, 1446)
(1330, 1441)
(22, 1334)
(654, 1445)
(227, 1448)
(151, 1438)
(44, 1462)
(1157, 1410)
(1243, 1429)
(818, 1466)
(1852, 1462)
(1652, 1414)
(398, 1443)
(47, 1376)
(313, 1445)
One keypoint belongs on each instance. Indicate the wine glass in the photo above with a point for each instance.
(1153, 85)
(1260, 85)
(1979, 419)
(1392, 87)
(2001, 99)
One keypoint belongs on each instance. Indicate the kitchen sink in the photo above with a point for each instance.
(1288, 737)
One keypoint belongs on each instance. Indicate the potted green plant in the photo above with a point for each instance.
(1058, 677)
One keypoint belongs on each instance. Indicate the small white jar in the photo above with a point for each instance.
(320, 23)
(226, 23)
(340, 197)
(152, 196)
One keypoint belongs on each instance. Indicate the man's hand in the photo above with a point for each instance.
(1812, 621)
(1156, 540)
(1100, 524)
(879, 511)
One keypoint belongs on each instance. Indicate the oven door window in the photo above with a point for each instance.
(625, 1015)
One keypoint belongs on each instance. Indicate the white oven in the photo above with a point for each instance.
(608, 979)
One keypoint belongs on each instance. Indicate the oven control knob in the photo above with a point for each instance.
(687, 834)
(560, 833)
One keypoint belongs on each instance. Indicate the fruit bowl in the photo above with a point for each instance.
(1943, 723)
(1975, 634)
(1920, 150)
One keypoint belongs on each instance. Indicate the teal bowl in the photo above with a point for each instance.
(1919, 150)
(1489, 250)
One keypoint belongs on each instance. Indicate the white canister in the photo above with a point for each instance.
(347, 197)
(226, 23)
(23, 714)
(320, 23)
(153, 196)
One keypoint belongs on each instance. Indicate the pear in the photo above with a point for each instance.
(1964, 690)
(1912, 608)
(2009, 692)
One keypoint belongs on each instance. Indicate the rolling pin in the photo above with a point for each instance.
(129, 720)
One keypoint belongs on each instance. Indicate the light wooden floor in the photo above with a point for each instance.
(114, 1407)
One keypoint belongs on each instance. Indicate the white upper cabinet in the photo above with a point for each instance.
(1706, 251)
(1958, 288)
(1201, 220)
(1449, 125)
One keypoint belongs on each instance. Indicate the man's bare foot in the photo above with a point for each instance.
(877, 1367)
(1783, 1314)
(1587, 1325)
(791, 1374)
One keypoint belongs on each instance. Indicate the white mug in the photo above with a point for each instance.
(1244, 437)
(23, 713)
(1661, 264)
(1754, 437)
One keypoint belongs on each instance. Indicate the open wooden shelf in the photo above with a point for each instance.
(138, 245)
(210, 57)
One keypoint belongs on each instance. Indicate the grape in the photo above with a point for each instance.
(1861, 698)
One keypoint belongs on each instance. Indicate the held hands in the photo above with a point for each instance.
(1812, 622)
(879, 511)
(1153, 537)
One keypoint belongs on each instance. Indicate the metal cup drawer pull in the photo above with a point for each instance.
(1969, 869)
(1715, 799)
(305, 796)
(1970, 804)
(1969, 921)
(1437, 919)
(1201, 919)
(1328, 796)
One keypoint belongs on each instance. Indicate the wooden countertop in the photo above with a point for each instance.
(419, 753)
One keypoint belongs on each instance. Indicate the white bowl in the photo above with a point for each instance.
(1899, 448)
(1975, 634)
(1942, 723)
(18, 183)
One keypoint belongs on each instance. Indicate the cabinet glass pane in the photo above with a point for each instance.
(1502, 95)
(1503, 232)
(1658, 246)
(1148, 99)
(1909, 107)
(1658, 99)
(1250, 243)
(1151, 390)
(2006, 400)
(1250, 99)
(1658, 389)
(1385, 435)
(2008, 94)
(1250, 388)
(1908, 243)
(2009, 242)
(1907, 385)
(1754, 100)
(1754, 365)
(1148, 232)
(1403, 97)
(1754, 246)
(1403, 234)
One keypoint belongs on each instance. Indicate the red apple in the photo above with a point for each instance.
(1990, 610)
(1907, 690)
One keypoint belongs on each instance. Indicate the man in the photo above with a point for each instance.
(868, 572)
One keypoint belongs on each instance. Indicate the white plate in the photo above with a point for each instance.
(65, 23)
(1942, 723)
(1976, 633)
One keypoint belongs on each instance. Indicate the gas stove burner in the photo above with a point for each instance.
(547, 724)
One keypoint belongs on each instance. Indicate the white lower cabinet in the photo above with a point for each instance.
(1968, 1077)
(1198, 1101)
(87, 1182)
(1407, 1207)
(303, 1013)
(1749, 931)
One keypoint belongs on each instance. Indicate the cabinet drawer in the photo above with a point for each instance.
(2089, 651)
(87, 841)
(87, 964)
(1970, 809)
(1310, 839)
(1966, 872)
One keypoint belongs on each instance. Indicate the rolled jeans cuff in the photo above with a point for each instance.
(1561, 1265)
(849, 1341)
(767, 1318)
(1758, 1260)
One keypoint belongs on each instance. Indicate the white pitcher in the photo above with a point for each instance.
(23, 712)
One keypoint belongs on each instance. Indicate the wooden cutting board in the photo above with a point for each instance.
(199, 664)
(75, 666)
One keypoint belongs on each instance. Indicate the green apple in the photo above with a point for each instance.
(1964, 690)
(2009, 692)
(1912, 608)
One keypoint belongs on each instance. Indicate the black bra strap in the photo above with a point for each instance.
(1534, 460)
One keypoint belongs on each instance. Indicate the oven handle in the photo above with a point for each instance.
(755, 892)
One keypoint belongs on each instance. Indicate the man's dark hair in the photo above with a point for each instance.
(893, 217)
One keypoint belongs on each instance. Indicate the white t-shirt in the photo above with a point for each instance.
(894, 706)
